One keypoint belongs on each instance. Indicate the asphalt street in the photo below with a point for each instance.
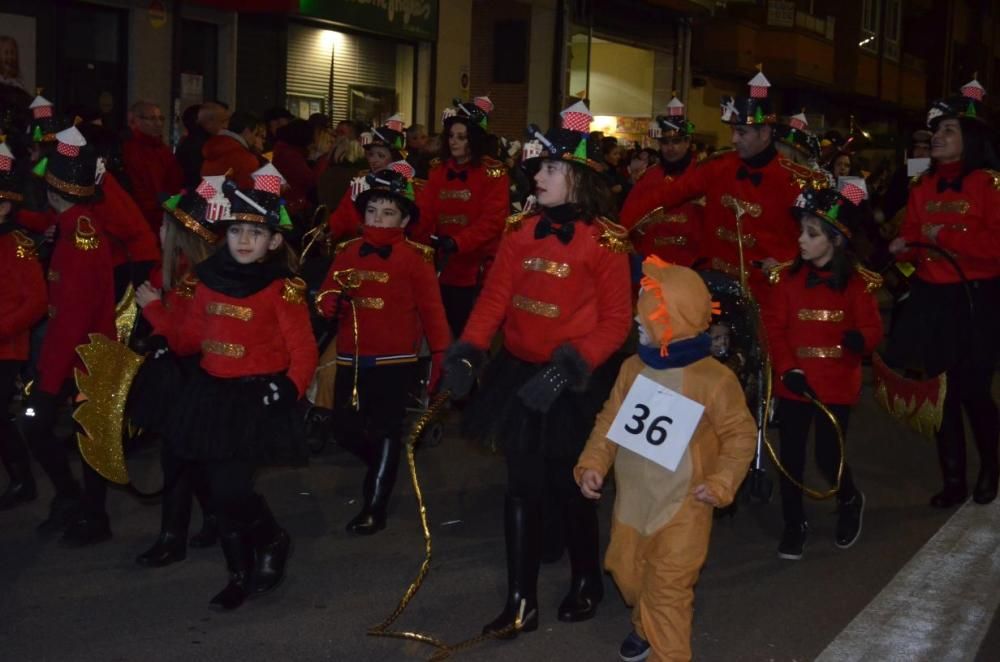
(97, 604)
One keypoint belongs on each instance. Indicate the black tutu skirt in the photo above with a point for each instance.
(155, 387)
(498, 419)
(221, 419)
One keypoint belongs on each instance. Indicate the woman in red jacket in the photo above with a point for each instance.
(952, 320)
(22, 304)
(821, 319)
(560, 293)
(188, 233)
(250, 322)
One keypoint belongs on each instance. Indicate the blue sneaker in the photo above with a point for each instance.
(634, 648)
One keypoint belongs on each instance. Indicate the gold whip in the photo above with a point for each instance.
(347, 279)
(444, 651)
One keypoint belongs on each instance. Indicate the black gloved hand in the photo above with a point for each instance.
(795, 381)
(156, 347)
(567, 370)
(461, 365)
(853, 341)
(446, 244)
(279, 390)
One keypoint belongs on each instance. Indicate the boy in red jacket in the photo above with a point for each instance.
(396, 305)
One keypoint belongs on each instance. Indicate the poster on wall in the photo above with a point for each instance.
(17, 52)
(369, 104)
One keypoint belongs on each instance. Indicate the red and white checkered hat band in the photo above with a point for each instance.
(758, 92)
(676, 112)
(797, 123)
(41, 111)
(973, 92)
(395, 125)
(72, 151)
(576, 121)
(853, 193)
(403, 168)
(483, 104)
(269, 183)
(6, 164)
(205, 190)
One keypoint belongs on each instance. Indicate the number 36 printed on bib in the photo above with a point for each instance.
(656, 422)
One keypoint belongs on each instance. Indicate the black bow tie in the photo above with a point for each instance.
(382, 251)
(815, 279)
(463, 175)
(562, 231)
(754, 177)
(953, 184)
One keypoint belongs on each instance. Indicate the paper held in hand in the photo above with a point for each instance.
(656, 422)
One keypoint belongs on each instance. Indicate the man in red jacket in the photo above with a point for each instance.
(151, 166)
(234, 151)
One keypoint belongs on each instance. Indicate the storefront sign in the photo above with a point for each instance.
(410, 19)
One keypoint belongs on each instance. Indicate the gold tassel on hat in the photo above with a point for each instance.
(85, 237)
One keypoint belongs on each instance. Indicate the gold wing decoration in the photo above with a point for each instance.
(803, 175)
(111, 367)
(872, 279)
(426, 252)
(774, 273)
(614, 237)
(515, 221)
(25, 246)
(995, 175)
(126, 312)
(339, 248)
(494, 169)
(294, 290)
(187, 286)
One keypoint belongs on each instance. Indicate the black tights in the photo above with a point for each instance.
(12, 447)
(231, 485)
(968, 388)
(796, 418)
(182, 479)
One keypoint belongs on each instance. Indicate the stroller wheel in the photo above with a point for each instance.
(317, 429)
(432, 436)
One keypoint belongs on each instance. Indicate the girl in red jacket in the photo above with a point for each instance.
(560, 293)
(22, 305)
(189, 235)
(250, 322)
(821, 319)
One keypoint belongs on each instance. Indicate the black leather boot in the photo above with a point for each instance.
(175, 515)
(951, 456)
(272, 547)
(238, 551)
(209, 534)
(20, 488)
(63, 511)
(983, 420)
(522, 535)
(586, 587)
(379, 481)
(89, 528)
(553, 528)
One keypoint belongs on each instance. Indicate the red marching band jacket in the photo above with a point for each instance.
(398, 301)
(545, 293)
(168, 315)
(469, 204)
(22, 293)
(765, 195)
(971, 220)
(264, 333)
(805, 328)
(81, 294)
(345, 221)
(671, 234)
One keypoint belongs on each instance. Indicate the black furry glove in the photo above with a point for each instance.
(461, 365)
(566, 370)
(795, 382)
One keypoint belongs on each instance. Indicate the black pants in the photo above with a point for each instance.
(231, 485)
(458, 303)
(12, 447)
(796, 417)
(383, 393)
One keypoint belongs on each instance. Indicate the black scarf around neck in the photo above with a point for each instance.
(222, 273)
(676, 167)
(763, 158)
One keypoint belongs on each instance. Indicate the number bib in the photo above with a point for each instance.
(656, 422)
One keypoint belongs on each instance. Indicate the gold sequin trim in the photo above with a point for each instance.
(232, 350)
(186, 287)
(514, 222)
(426, 252)
(735, 204)
(25, 246)
(549, 310)
(463, 194)
(613, 237)
(374, 276)
(957, 227)
(66, 187)
(657, 216)
(670, 241)
(820, 352)
(495, 172)
(995, 176)
(453, 219)
(294, 290)
(85, 238)
(52, 276)
(949, 207)
(725, 267)
(241, 313)
(557, 269)
(373, 303)
(11, 195)
(819, 315)
(725, 234)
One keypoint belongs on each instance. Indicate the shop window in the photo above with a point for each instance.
(870, 10)
(510, 52)
(199, 62)
(893, 22)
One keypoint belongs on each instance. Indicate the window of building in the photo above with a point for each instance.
(870, 11)
(893, 22)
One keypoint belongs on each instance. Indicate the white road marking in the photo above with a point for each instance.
(940, 605)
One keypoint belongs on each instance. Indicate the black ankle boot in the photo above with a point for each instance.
(168, 548)
(985, 490)
(209, 533)
(21, 488)
(88, 529)
(63, 511)
(522, 535)
(238, 551)
(379, 481)
(586, 588)
(272, 547)
(950, 496)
